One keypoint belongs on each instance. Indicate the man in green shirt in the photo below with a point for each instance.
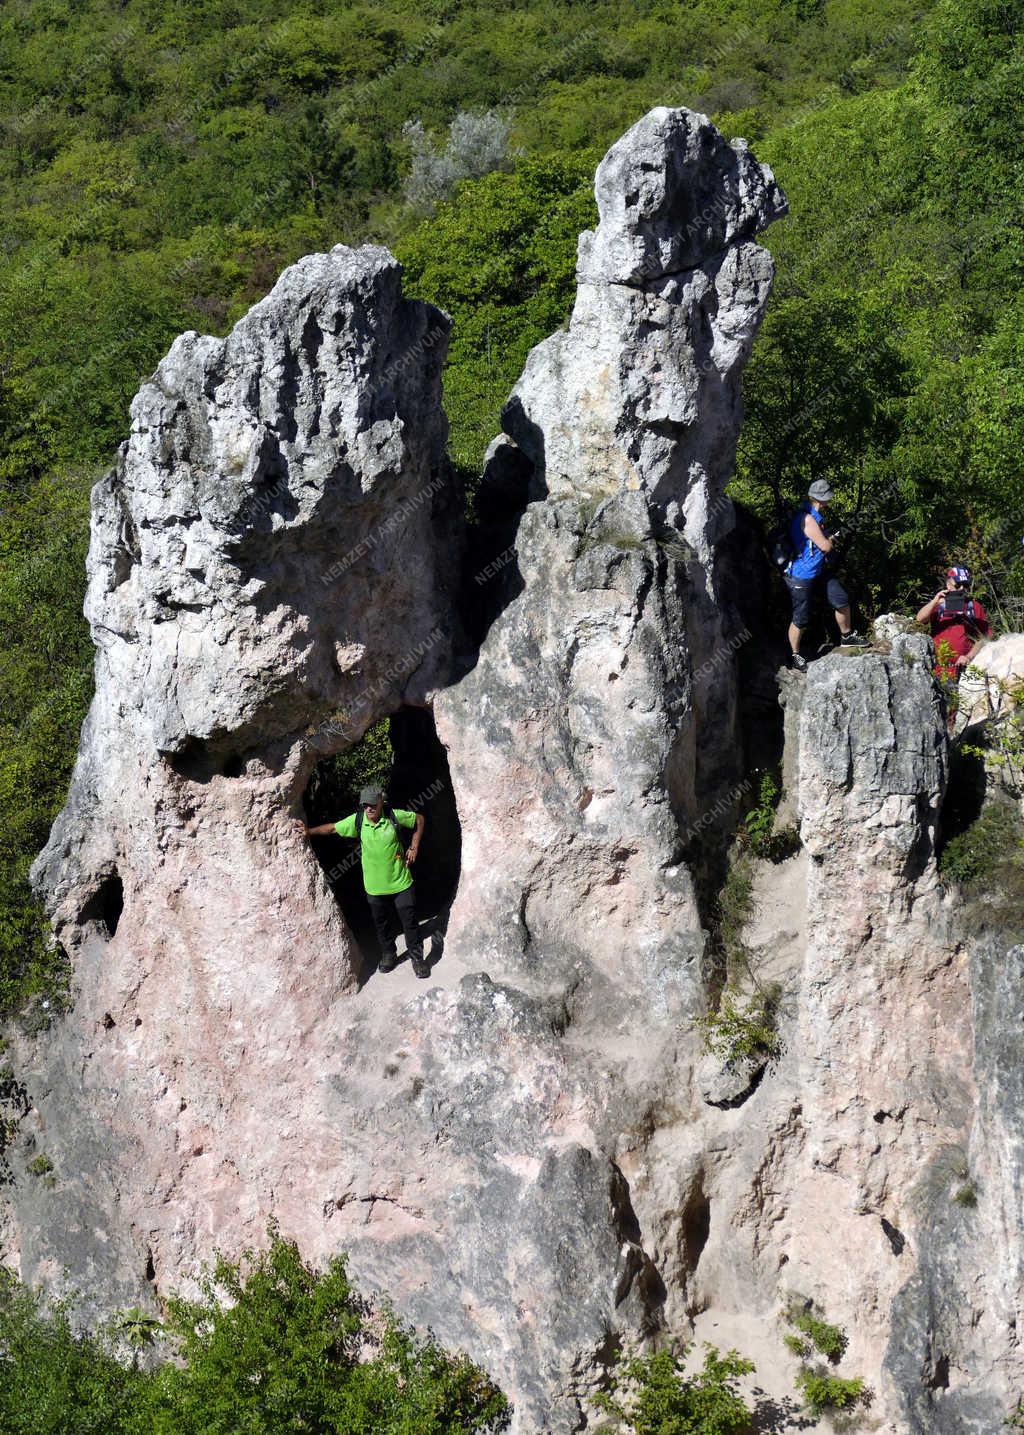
(386, 875)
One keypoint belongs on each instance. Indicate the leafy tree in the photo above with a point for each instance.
(477, 144)
(53, 1379)
(270, 1345)
(500, 258)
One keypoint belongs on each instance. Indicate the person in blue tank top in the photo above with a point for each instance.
(809, 571)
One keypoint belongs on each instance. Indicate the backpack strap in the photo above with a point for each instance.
(388, 812)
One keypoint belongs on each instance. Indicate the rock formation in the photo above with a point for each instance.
(529, 1152)
(599, 718)
(275, 486)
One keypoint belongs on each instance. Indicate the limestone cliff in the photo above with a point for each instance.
(528, 1152)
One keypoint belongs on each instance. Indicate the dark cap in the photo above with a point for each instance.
(370, 796)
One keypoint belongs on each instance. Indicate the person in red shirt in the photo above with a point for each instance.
(958, 620)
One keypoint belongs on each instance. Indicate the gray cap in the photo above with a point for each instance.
(821, 490)
(370, 796)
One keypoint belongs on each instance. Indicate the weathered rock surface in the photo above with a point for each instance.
(991, 687)
(271, 566)
(595, 736)
(523, 1153)
(954, 1353)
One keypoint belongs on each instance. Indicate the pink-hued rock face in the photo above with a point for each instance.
(530, 1152)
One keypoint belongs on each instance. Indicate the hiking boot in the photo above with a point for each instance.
(853, 640)
(799, 662)
(388, 962)
(421, 967)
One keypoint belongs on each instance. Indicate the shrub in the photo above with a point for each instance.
(270, 1345)
(657, 1398)
(830, 1340)
(736, 1032)
(52, 1379)
(830, 1392)
(272, 1342)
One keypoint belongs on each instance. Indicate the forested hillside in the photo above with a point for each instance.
(161, 164)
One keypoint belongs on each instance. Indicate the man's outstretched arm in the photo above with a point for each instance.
(414, 845)
(326, 829)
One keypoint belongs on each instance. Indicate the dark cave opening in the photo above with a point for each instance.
(106, 904)
(696, 1224)
(404, 756)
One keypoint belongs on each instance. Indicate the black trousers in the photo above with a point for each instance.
(384, 909)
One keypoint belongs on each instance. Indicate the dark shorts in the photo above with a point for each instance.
(802, 591)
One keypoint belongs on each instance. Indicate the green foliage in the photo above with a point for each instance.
(758, 833)
(339, 778)
(283, 1354)
(966, 1195)
(735, 904)
(501, 259)
(824, 1392)
(652, 1395)
(137, 1329)
(741, 1030)
(40, 1165)
(798, 1347)
(285, 1347)
(45, 682)
(987, 860)
(1015, 1419)
(830, 1340)
(53, 1379)
(743, 1027)
(1004, 746)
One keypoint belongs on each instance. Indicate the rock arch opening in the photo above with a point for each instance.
(405, 758)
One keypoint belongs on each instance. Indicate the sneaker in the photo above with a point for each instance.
(420, 967)
(853, 640)
(388, 962)
(799, 662)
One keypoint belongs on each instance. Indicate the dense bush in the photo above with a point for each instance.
(652, 1395)
(270, 1345)
(824, 1392)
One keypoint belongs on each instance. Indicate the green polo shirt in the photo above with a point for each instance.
(384, 869)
